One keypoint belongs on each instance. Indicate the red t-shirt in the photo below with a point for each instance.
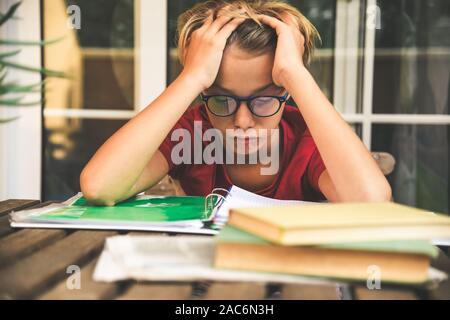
(300, 163)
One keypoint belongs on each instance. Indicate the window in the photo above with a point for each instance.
(82, 112)
(411, 99)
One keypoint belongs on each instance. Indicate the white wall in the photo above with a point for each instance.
(20, 141)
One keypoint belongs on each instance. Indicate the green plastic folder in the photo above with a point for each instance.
(186, 214)
(164, 209)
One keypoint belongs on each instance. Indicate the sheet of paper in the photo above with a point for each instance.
(181, 258)
(239, 197)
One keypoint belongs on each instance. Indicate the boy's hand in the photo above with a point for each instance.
(290, 47)
(205, 49)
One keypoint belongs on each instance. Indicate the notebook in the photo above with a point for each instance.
(343, 222)
(401, 261)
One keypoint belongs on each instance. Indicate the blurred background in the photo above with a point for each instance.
(385, 64)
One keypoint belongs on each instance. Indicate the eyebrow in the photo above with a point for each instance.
(216, 86)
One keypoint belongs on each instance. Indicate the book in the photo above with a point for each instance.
(401, 261)
(343, 222)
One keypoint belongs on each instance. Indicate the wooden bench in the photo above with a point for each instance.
(33, 264)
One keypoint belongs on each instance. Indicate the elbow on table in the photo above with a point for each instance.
(381, 193)
(92, 192)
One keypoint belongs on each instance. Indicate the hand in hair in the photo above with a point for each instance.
(290, 47)
(205, 49)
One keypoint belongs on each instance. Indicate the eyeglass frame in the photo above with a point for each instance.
(247, 100)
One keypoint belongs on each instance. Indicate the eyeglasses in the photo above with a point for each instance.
(260, 106)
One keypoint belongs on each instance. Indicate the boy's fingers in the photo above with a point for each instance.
(272, 22)
(218, 24)
(289, 20)
(230, 27)
(208, 20)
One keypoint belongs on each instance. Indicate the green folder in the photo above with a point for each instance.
(185, 214)
(157, 209)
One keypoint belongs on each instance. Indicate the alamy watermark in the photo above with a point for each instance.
(374, 277)
(252, 146)
(73, 281)
(373, 21)
(74, 17)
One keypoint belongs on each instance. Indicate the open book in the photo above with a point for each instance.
(197, 215)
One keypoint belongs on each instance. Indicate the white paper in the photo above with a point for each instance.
(240, 198)
(181, 258)
(441, 242)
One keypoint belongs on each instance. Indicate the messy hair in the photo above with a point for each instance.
(251, 35)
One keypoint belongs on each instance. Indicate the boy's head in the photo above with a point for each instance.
(246, 68)
(251, 36)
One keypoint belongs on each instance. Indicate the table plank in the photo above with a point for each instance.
(442, 291)
(362, 293)
(5, 227)
(24, 242)
(310, 292)
(89, 289)
(157, 291)
(235, 291)
(8, 206)
(14, 204)
(32, 275)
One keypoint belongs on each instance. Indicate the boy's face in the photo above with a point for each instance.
(244, 75)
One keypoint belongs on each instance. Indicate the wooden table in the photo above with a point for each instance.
(33, 265)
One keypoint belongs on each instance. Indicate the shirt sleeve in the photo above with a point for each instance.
(175, 170)
(315, 168)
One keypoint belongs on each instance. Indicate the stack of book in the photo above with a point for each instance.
(341, 241)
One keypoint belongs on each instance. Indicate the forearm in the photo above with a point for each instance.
(350, 165)
(120, 161)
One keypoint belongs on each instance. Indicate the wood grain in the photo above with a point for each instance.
(310, 292)
(30, 276)
(24, 242)
(9, 205)
(235, 291)
(157, 291)
(362, 293)
(89, 289)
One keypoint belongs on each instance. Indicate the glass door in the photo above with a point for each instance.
(114, 52)
(410, 104)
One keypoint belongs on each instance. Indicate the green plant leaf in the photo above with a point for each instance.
(9, 54)
(44, 71)
(8, 102)
(2, 75)
(16, 103)
(5, 120)
(8, 15)
(29, 43)
(15, 88)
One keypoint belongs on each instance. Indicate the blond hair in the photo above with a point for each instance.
(251, 35)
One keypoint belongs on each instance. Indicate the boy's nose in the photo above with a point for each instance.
(243, 118)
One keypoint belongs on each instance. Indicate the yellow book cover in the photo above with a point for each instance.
(343, 222)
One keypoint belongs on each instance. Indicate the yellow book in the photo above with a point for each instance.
(344, 222)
